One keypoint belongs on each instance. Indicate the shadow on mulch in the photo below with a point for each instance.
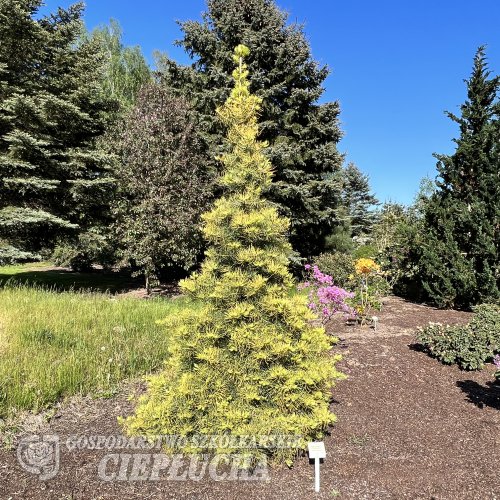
(418, 348)
(479, 395)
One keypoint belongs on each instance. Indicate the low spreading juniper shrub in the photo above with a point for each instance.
(471, 345)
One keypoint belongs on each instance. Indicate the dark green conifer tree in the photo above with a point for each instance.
(459, 261)
(52, 180)
(358, 200)
(356, 215)
(301, 133)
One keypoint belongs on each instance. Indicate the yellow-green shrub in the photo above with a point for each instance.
(248, 363)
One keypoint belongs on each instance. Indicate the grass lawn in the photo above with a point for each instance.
(43, 273)
(57, 338)
(54, 344)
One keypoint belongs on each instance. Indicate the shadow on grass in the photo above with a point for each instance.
(479, 395)
(64, 280)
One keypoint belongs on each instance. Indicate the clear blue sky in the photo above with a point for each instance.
(397, 65)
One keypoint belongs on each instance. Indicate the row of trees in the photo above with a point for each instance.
(448, 244)
(54, 181)
(99, 153)
(457, 245)
(106, 159)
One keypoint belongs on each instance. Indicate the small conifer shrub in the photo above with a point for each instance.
(249, 363)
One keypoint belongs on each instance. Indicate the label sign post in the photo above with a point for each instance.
(316, 451)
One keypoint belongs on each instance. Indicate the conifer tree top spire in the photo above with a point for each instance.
(246, 168)
(240, 52)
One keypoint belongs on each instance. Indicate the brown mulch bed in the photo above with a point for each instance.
(408, 427)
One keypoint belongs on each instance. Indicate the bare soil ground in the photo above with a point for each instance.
(408, 427)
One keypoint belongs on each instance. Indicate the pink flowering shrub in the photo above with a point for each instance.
(325, 298)
(496, 360)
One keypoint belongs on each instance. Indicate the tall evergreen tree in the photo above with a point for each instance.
(302, 134)
(52, 179)
(249, 362)
(358, 201)
(125, 69)
(461, 237)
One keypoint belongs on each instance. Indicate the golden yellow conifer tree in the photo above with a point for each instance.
(248, 363)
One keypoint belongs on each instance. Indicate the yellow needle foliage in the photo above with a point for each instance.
(248, 363)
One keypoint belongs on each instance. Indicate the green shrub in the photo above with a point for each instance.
(90, 248)
(340, 240)
(67, 255)
(365, 252)
(337, 265)
(467, 345)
